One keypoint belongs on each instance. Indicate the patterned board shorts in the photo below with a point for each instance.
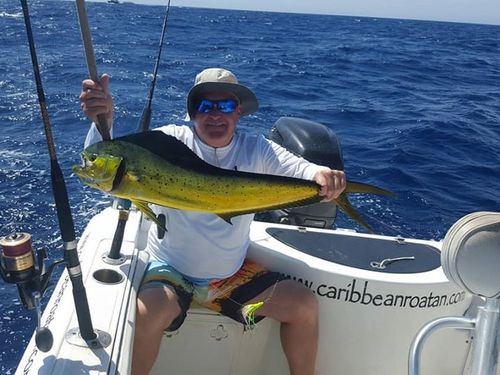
(226, 296)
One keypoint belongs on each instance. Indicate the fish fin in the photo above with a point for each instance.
(144, 208)
(226, 217)
(359, 187)
(343, 202)
(167, 147)
(133, 175)
(170, 149)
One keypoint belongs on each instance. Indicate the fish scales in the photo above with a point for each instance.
(159, 182)
(155, 168)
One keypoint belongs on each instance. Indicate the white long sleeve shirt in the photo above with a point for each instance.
(202, 245)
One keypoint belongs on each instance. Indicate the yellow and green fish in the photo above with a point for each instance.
(155, 168)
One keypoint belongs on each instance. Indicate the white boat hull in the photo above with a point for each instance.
(368, 318)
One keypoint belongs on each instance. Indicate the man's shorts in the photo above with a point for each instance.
(226, 296)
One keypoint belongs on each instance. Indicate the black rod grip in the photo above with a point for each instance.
(82, 309)
(116, 245)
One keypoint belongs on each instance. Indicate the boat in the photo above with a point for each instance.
(382, 299)
(113, 2)
(388, 305)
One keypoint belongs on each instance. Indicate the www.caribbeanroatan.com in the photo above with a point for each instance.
(360, 292)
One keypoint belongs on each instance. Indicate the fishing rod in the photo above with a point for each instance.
(146, 113)
(102, 123)
(63, 209)
(114, 256)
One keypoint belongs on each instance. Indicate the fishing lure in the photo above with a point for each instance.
(248, 312)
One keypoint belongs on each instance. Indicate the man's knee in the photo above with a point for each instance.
(157, 308)
(310, 305)
(306, 305)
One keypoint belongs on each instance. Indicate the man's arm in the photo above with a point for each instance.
(280, 161)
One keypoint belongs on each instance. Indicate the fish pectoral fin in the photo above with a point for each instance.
(226, 217)
(144, 208)
(343, 202)
(359, 187)
(133, 175)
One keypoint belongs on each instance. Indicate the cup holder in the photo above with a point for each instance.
(107, 276)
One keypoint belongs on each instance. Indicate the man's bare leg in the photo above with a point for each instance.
(157, 308)
(296, 308)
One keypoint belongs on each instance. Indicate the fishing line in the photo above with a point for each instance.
(61, 199)
(146, 113)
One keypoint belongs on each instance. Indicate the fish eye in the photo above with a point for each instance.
(92, 157)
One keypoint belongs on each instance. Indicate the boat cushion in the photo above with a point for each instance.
(393, 255)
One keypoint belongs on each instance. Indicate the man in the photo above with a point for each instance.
(202, 257)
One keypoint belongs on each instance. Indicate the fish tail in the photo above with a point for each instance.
(343, 202)
(359, 187)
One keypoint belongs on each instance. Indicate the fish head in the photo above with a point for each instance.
(98, 170)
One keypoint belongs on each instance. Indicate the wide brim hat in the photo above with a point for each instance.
(220, 80)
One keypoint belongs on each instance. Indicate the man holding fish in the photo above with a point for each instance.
(202, 256)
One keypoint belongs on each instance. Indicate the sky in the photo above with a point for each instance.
(473, 11)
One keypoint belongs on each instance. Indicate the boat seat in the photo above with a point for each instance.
(196, 308)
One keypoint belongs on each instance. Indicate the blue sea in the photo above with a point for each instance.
(415, 104)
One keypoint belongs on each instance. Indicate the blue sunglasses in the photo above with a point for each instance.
(224, 105)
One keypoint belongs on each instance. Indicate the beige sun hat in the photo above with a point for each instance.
(220, 80)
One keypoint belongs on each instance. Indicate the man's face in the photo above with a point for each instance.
(216, 128)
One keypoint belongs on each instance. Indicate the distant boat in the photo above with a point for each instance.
(113, 2)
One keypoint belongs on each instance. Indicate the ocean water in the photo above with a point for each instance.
(416, 106)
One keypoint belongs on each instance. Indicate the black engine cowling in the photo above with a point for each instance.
(318, 144)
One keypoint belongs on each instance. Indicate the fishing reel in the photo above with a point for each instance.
(21, 265)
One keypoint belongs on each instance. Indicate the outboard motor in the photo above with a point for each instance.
(315, 143)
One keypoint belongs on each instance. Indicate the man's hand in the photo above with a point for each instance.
(95, 99)
(332, 183)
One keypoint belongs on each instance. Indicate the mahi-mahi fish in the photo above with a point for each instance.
(156, 168)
